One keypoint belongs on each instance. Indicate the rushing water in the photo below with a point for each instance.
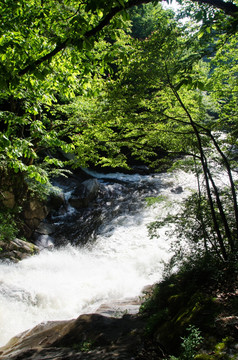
(69, 281)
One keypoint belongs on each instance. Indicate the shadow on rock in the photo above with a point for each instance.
(91, 336)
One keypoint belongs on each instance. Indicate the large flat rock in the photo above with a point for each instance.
(90, 336)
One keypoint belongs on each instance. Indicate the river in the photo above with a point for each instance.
(65, 282)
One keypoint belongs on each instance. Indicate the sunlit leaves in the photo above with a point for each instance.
(38, 174)
(30, 30)
(225, 85)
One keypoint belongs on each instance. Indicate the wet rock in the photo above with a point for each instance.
(13, 293)
(141, 169)
(81, 224)
(84, 193)
(79, 228)
(91, 336)
(177, 190)
(56, 200)
(45, 228)
(17, 249)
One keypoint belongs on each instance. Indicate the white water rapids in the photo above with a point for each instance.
(66, 282)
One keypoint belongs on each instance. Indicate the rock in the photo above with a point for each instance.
(26, 231)
(17, 249)
(228, 324)
(8, 199)
(79, 227)
(84, 193)
(121, 307)
(36, 209)
(177, 190)
(141, 169)
(34, 212)
(45, 229)
(91, 336)
(56, 200)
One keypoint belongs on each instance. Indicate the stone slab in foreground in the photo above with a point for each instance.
(91, 336)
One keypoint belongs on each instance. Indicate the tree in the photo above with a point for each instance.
(72, 24)
(33, 131)
(33, 39)
(145, 20)
(51, 52)
(160, 101)
(32, 32)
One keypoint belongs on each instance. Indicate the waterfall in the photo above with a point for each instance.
(65, 282)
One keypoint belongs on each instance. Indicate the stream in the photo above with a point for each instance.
(116, 263)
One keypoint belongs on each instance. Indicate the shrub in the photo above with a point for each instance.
(8, 227)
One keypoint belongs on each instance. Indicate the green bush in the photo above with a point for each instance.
(190, 344)
(194, 231)
(8, 227)
(179, 301)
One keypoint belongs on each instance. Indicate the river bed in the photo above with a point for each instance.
(62, 283)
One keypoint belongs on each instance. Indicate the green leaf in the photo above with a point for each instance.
(121, 2)
(200, 34)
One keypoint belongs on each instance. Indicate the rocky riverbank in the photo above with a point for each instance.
(115, 331)
(90, 336)
(35, 225)
(204, 296)
(118, 331)
(17, 249)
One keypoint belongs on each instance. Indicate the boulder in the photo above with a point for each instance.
(141, 169)
(84, 193)
(17, 249)
(45, 228)
(177, 190)
(34, 212)
(8, 199)
(56, 200)
(90, 336)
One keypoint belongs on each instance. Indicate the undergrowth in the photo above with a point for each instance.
(183, 313)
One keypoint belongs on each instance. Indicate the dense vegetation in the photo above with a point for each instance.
(107, 82)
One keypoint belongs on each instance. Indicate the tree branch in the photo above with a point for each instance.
(88, 34)
(228, 7)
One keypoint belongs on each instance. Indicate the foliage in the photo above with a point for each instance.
(224, 84)
(221, 351)
(8, 226)
(74, 82)
(154, 200)
(193, 229)
(78, 87)
(34, 132)
(145, 20)
(173, 112)
(195, 298)
(84, 346)
(181, 301)
(190, 344)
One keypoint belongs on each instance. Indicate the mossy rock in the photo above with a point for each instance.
(223, 350)
(173, 308)
(17, 249)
